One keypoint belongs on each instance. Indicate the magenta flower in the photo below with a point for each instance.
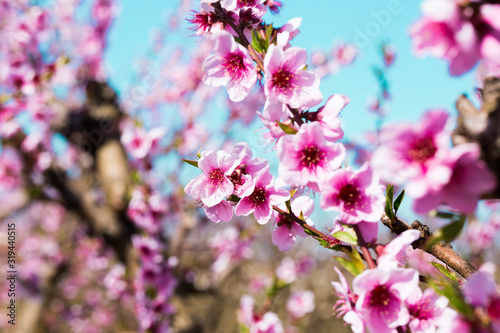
(219, 212)
(328, 116)
(444, 33)
(247, 169)
(286, 231)
(469, 179)
(355, 194)
(230, 66)
(262, 199)
(481, 286)
(382, 296)
(393, 255)
(425, 310)
(346, 303)
(286, 79)
(306, 158)
(300, 303)
(411, 148)
(214, 184)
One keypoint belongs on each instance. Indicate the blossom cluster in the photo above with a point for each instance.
(460, 32)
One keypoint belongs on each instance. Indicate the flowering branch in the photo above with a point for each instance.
(244, 41)
(315, 232)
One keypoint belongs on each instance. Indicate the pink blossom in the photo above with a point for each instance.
(328, 116)
(481, 286)
(344, 54)
(451, 321)
(346, 303)
(286, 231)
(382, 296)
(286, 79)
(114, 281)
(243, 175)
(219, 212)
(306, 158)
(289, 270)
(389, 52)
(140, 143)
(263, 197)
(214, 184)
(469, 179)
(288, 32)
(246, 112)
(229, 248)
(425, 310)
(393, 254)
(415, 151)
(148, 248)
(300, 303)
(480, 236)
(11, 167)
(355, 194)
(444, 33)
(146, 212)
(230, 66)
(267, 323)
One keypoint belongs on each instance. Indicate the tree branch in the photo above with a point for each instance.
(443, 251)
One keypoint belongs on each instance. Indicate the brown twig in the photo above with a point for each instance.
(315, 232)
(442, 251)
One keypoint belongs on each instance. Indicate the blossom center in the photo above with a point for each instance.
(382, 298)
(311, 156)
(234, 66)
(350, 195)
(422, 149)
(258, 197)
(423, 310)
(282, 80)
(246, 3)
(237, 176)
(216, 177)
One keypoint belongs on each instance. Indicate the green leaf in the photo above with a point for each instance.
(287, 128)
(389, 210)
(345, 237)
(448, 233)
(292, 192)
(390, 192)
(452, 231)
(445, 271)
(445, 215)
(288, 206)
(355, 266)
(233, 198)
(269, 31)
(454, 295)
(309, 232)
(398, 201)
(190, 162)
